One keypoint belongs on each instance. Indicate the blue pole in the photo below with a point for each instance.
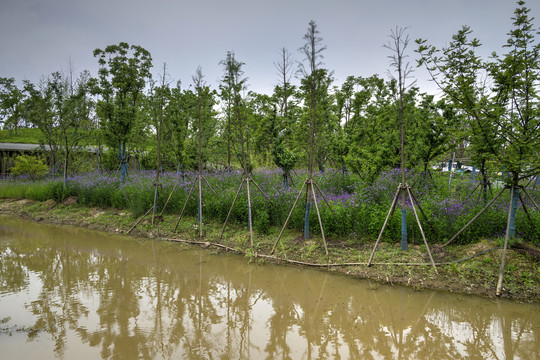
(122, 158)
(473, 173)
(199, 210)
(306, 221)
(404, 245)
(515, 197)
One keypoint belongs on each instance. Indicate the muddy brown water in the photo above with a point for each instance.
(72, 293)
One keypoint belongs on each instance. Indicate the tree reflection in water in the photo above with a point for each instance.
(147, 299)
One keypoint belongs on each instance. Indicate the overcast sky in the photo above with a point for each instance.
(38, 37)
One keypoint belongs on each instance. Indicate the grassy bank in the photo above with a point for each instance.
(348, 255)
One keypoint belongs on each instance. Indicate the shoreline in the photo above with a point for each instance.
(465, 269)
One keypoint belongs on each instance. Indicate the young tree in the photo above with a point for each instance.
(500, 97)
(430, 133)
(462, 76)
(158, 102)
(315, 83)
(373, 129)
(398, 44)
(235, 130)
(11, 104)
(505, 114)
(284, 90)
(72, 107)
(284, 155)
(231, 84)
(123, 72)
(179, 114)
(262, 120)
(39, 110)
(311, 81)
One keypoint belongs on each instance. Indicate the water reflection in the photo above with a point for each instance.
(81, 293)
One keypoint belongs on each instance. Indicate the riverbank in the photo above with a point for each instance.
(477, 274)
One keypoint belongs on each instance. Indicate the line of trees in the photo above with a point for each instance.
(488, 111)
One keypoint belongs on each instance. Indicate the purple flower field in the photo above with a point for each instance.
(359, 208)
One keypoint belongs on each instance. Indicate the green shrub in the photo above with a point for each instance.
(30, 166)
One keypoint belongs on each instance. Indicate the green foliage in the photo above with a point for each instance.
(374, 129)
(30, 166)
(11, 104)
(23, 136)
(123, 72)
(261, 222)
(498, 97)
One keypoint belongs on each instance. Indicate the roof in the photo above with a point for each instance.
(34, 147)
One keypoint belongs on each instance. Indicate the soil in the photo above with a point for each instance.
(476, 275)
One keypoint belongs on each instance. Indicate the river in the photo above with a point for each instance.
(73, 293)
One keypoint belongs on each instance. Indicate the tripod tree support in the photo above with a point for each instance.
(199, 204)
(141, 219)
(421, 230)
(246, 180)
(168, 199)
(403, 189)
(506, 237)
(309, 184)
(474, 218)
(184, 207)
(390, 212)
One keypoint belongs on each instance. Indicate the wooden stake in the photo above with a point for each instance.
(420, 208)
(391, 211)
(210, 186)
(531, 199)
(468, 196)
(320, 221)
(200, 205)
(324, 198)
(169, 198)
(250, 224)
(138, 221)
(184, 207)
(261, 190)
(288, 217)
(474, 218)
(525, 209)
(230, 210)
(501, 272)
(421, 230)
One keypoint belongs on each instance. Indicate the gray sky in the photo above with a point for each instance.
(38, 37)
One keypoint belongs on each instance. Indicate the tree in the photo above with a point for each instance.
(504, 114)
(233, 83)
(123, 72)
(178, 115)
(462, 76)
(262, 120)
(11, 104)
(398, 44)
(373, 129)
(284, 154)
(71, 112)
(319, 122)
(39, 110)
(315, 83)
(499, 97)
(430, 136)
(516, 78)
(29, 165)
